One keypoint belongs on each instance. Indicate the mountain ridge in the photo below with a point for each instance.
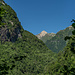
(56, 42)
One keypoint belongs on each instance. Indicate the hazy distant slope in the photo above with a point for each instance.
(48, 36)
(57, 43)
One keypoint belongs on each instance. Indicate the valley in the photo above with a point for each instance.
(23, 53)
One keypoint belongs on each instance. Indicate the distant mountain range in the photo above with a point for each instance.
(44, 36)
(43, 33)
(55, 42)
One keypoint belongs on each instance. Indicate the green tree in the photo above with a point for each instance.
(3, 68)
(72, 49)
(0, 15)
(2, 12)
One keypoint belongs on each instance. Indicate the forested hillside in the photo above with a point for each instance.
(22, 53)
(56, 42)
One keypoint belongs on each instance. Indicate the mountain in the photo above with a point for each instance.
(57, 42)
(43, 33)
(12, 29)
(21, 52)
(44, 36)
(65, 64)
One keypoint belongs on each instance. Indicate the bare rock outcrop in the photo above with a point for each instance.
(43, 33)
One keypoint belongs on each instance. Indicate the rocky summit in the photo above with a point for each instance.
(44, 36)
(43, 33)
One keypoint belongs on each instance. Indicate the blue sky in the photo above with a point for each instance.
(49, 15)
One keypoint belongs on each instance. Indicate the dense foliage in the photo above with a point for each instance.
(28, 55)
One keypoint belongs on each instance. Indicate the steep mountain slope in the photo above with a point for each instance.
(43, 33)
(12, 29)
(28, 56)
(21, 52)
(48, 36)
(57, 43)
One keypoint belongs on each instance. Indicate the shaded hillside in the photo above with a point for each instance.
(21, 52)
(57, 43)
(29, 56)
(65, 64)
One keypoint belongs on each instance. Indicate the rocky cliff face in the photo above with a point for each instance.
(7, 35)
